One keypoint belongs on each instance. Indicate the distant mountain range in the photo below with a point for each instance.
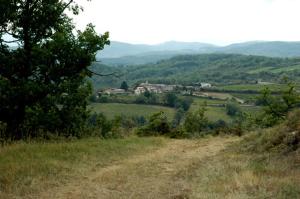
(119, 53)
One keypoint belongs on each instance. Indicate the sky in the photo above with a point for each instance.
(219, 22)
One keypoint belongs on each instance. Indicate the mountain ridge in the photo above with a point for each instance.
(121, 53)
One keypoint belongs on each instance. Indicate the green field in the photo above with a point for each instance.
(201, 100)
(252, 87)
(115, 109)
(214, 113)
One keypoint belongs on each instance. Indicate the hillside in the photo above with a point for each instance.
(120, 49)
(119, 53)
(211, 167)
(213, 68)
(271, 49)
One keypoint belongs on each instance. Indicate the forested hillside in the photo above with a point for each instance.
(213, 68)
(119, 53)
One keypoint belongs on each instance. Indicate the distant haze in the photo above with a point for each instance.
(219, 22)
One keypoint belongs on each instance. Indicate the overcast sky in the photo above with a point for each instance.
(213, 21)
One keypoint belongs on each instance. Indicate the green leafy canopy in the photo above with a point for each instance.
(43, 81)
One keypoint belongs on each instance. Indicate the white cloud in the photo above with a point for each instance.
(215, 21)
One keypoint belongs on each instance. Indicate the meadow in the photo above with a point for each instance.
(211, 167)
(252, 87)
(27, 169)
(116, 109)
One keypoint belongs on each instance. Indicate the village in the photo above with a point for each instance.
(156, 88)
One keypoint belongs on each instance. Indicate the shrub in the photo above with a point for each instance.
(178, 132)
(282, 138)
(277, 107)
(232, 109)
(196, 122)
(100, 125)
(158, 125)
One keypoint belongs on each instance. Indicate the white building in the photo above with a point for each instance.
(139, 90)
(153, 88)
(205, 85)
(112, 91)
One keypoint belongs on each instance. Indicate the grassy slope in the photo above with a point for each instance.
(235, 174)
(113, 109)
(175, 169)
(27, 169)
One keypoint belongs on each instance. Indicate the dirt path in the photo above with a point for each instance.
(153, 175)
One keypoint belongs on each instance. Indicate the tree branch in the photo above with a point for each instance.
(67, 5)
(13, 41)
(114, 74)
(9, 33)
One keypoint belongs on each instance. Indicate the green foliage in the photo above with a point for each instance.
(43, 81)
(170, 99)
(184, 103)
(178, 117)
(225, 69)
(232, 109)
(196, 122)
(158, 125)
(124, 86)
(119, 127)
(282, 138)
(277, 107)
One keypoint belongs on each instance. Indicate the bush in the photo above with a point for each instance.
(196, 122)
(232, 109)
(158, 125)
(282, 138)
(100, 125)
(170, 99)
(178, 117)
(277, 107)
(178, 132)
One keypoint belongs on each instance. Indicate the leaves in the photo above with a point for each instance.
(44, 79)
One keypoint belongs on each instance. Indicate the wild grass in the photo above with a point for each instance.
(234, 174)
(27, 169)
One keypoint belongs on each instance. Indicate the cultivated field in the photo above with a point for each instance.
(115, 109)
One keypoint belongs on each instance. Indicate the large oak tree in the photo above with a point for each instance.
(43, 80)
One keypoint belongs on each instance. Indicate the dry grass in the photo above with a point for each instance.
(235, 175)
(205, 168)
(153, 175)
(27, 170)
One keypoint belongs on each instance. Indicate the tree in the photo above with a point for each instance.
(124, 86)
(178, 117)
(232, 109)
(195, 122)
(170, 99)
(158, 125)
(277, 107)
(43, 80)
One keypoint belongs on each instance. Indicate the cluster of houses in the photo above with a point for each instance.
(155, 88)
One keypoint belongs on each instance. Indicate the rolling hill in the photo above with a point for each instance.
(213, 68)
(119, 53)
